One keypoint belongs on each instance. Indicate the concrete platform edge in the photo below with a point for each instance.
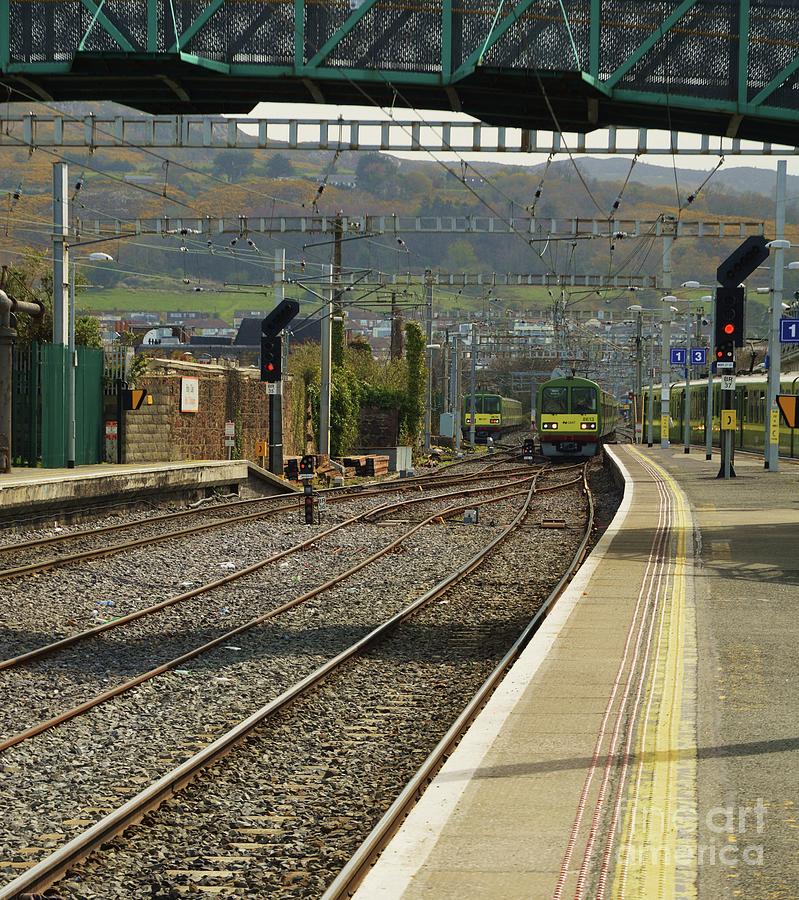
(410, 848)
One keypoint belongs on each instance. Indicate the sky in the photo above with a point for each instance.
(625, 137)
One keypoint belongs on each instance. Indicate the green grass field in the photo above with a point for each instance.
(216, 304)
(223, 303)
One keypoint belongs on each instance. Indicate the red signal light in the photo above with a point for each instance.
(729, 328)
(719, 354)
(270, 367)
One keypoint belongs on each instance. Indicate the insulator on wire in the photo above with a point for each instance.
(251, 245)
(234, 242)
(79, 184)
(17, 194)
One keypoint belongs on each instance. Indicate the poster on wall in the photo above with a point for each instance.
(189, 395)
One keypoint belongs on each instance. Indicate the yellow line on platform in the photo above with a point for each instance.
(658, 845)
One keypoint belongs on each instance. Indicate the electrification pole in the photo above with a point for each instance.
(709, 399)
(276, 400)
(428, 407)
(455, 389)
(665, 363)
(772, 451)
(60, 253)
(651, 398)
(473, 401)
(337, 327)
(638, 378)
(327, 347)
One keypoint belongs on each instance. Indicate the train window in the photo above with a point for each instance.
(554, 400)
(491, 405)
(583, 400)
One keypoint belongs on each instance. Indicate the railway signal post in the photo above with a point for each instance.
(307, 472)
(272, 373)
(728, 424)
(729, 329)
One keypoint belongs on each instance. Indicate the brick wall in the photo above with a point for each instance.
(378, 427)
(161, 432)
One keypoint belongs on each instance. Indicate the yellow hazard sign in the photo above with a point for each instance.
(133, 399)
(728, 420)
(261, 448)
(664, 426)
(789, 408)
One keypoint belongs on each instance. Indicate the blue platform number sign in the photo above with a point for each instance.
(698, 356)
(677, 356)
(789, 331)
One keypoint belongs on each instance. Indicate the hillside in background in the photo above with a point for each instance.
(121, 185)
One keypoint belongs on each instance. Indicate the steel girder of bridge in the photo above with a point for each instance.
(533, 229)
(96, 132)
(725, 67)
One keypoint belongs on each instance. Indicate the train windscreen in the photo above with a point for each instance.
(583, 400)
(554, 400)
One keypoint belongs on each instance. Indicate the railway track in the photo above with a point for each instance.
(270, 506)
(460, 624)
(70, 650)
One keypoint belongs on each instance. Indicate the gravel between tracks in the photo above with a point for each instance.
(41, 608)
(279, 817)
(134, 738)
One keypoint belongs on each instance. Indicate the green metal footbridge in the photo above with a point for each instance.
(725, 67)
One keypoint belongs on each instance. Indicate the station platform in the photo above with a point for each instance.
(28, 492)
(645, 744)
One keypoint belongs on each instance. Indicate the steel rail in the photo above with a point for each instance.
(112, 549)
(126, 686)
(55, 646)
(355, 490)
(355, 870)
(47, 871)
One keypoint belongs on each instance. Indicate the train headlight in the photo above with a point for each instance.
(550, 426)
(587, 426)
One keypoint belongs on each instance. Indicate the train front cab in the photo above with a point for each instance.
(569, 421)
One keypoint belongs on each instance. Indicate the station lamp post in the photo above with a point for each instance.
(98, 256)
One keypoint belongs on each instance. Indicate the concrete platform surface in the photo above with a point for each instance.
(36, 489)
(645, 743)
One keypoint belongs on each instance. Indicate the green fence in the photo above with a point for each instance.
(40, 406)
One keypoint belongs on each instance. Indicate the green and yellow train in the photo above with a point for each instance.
(493, 415)
(751, 399)
(574, 417)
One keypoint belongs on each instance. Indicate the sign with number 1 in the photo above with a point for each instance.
(789, 331)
